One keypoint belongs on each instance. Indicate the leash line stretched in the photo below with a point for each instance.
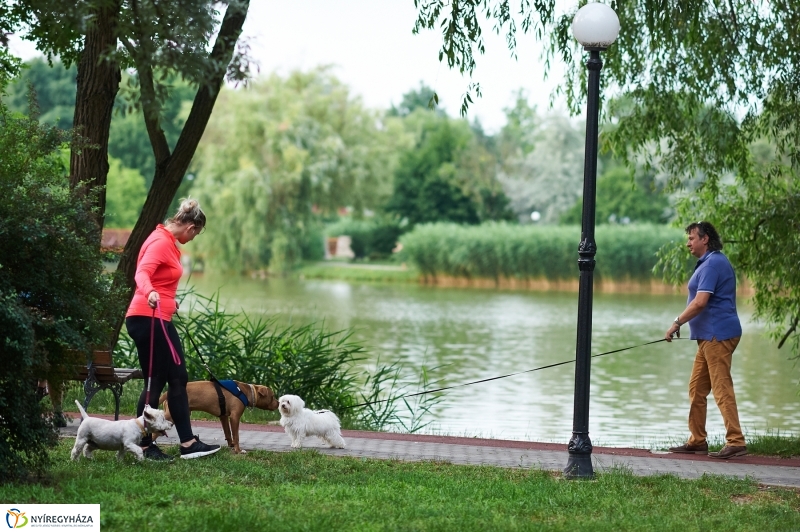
(194, 345)
(507, 375)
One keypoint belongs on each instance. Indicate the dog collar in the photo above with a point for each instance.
(253, 391)
(141, 427)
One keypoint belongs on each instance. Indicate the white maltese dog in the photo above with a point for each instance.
(97, 433)
(300, 422)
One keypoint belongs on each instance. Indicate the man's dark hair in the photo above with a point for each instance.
(706, 229)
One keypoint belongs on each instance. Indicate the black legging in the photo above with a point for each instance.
(164, 372)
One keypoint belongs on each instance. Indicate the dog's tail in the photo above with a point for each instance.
(162, 398)
(84, 415)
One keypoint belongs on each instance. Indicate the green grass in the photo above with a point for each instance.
(344, 272)
(772, 443)
(309, 491)
(769, 443)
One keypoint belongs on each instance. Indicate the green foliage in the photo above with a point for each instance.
(128, 140)
(374, 239)
(281, 153)
(9, 65)
(516, 139)
(546, 172)
(498, 250)
(55, 91)
(312, 246)
(423, 98)
(53, 295)
(167, 36)
(446, 176)
(620, 197)
(325, 368)
(125, 195)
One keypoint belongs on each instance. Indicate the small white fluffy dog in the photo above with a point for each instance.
(300, 422)
(96, 433)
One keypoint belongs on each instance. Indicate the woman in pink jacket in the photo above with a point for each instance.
(158, 272)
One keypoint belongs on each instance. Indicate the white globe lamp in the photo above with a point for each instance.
(595, 26)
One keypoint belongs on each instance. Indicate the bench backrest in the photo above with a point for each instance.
(102, 358)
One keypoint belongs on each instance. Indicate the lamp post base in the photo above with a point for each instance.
(579, 465)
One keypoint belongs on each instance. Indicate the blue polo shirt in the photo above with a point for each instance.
(714, 274)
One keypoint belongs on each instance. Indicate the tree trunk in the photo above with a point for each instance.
(98, 84)
(171, 167)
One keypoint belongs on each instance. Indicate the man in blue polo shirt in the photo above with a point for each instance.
(714, 323)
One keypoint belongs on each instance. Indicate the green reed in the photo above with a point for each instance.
(502, 250)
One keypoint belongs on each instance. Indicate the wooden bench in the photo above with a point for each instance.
(100, 374)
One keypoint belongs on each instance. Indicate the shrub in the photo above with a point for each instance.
(53, 294)
(374, 239)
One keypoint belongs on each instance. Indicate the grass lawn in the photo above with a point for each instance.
(305, 490)
(360, 272)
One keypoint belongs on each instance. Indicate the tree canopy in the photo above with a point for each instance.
(161, 41)
(447, 175)
(282, 153)
(623, 198)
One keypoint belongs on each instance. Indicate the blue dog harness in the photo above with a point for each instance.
(233, 389)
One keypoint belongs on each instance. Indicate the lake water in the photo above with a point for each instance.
(638, 397)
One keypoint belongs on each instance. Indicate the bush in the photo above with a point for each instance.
(312, 245)
(53, 294)
(374, 239)
(496, 250)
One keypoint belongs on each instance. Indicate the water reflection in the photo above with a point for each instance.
(638, 397)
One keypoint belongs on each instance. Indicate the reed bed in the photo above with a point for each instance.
(501, 250)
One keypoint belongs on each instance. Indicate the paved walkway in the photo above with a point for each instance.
(501, 453)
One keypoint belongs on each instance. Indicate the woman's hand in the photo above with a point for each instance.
(153, 298)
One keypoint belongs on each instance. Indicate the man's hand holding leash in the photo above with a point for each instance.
(674, 330)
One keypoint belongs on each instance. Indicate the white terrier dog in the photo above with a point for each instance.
(300, 422)
(96, 433)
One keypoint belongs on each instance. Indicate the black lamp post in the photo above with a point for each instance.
(596, 27)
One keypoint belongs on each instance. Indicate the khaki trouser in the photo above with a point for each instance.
(712, 371)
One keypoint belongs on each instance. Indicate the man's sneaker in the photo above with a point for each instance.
(688, 448)
(153, 452)
(729, 451)
(198, 449)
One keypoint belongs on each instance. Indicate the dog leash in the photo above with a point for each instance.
(175, 357)
(507, 375)
(249, 403)
(194, 345)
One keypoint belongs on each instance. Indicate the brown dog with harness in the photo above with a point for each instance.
(226, 400)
